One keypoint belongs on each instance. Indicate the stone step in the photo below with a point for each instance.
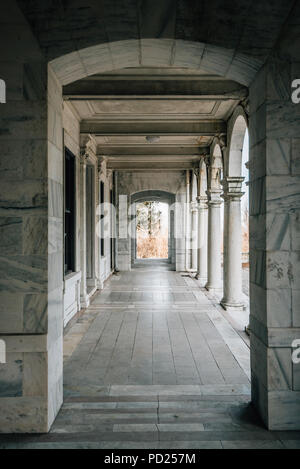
(150, 407)
(152, 415)
(118, 445)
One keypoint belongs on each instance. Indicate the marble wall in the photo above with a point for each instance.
(274, 243)
(31, 237)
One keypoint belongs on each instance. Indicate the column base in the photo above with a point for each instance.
(84, 301)
(213, 288)
(201, 280)
(228, 306)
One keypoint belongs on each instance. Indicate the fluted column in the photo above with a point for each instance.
(194, 235)
(214, 241)
(202, 240)
(232, 266)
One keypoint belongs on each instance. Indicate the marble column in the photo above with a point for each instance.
(232, 262)
(202, 240)
(84, 299)
(187, 229)
(194, 235)
(214, 241)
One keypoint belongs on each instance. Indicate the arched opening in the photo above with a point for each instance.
(152, 230)
(236, 220)
(236, 145)
(245, 214)
(153, 237)
(105, 57)
(162, 187)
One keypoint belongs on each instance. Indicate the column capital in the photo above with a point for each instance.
(88, 148)
(232, 188)
(207, 160)
(83, 156)
(197, 172)
(102, 161)
(222, 138)
(214, 196)
(202, 202)
(193, 206)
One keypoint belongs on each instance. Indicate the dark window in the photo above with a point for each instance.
(69, 212)
(102, 217)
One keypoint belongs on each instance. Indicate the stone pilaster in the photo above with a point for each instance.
(232, 261)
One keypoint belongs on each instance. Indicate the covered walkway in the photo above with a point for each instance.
(155, 327)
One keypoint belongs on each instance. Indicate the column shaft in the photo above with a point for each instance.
(83, 286)
(232, 267)
(214, 242)
(202, 240)
(194, 237)
(187, 221)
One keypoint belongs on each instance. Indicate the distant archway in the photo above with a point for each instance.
(163, 198)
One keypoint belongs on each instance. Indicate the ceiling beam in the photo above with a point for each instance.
(142, 166)
(150, 150)
(136, 128)
(154, 89)
(153, 162)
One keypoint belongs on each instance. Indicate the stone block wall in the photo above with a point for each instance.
(274, 244)
(31, 235)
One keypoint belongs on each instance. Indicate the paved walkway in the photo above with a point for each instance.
(153, 363)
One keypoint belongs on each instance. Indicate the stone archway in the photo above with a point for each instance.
(155, 53)
(133, 53)
(232, 186)
(237, 127)
(158, 196)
